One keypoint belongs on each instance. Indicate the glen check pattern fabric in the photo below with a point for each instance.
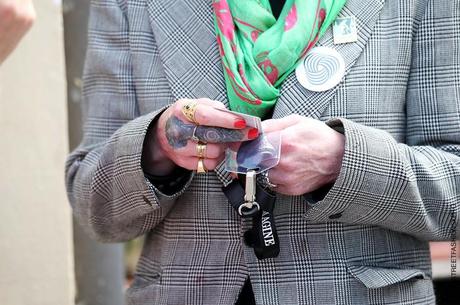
(364, 243)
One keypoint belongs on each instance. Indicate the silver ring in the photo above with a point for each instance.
(194, 138)
(269, 184)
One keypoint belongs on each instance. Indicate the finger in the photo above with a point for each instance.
(208, 113)
(235, 146)
(280, 124)
(285, 190)
(210, 164)
(209, 134)
(212, 151)
(191, 163)
(276, 177)
(178, 132)
(209, 102)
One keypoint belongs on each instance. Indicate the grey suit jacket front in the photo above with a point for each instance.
(366, 242)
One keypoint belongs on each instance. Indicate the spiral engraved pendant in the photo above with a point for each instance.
(321, 69)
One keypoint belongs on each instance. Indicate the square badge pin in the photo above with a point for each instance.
(344, 30)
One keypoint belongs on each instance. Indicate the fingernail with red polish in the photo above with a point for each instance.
(239, 123)
(253, 133)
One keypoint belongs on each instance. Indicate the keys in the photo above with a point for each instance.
(250, 206)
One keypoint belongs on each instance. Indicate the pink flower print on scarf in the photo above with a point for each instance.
(240, 91)
(322, 16)
(224, 19)
(254, 33)
(268, 68)
(291, 18)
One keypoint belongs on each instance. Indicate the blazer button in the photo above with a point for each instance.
(335, 216)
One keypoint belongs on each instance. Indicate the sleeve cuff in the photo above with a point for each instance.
(171, 184)
(333, 202)
(128, 155)
(319, 194)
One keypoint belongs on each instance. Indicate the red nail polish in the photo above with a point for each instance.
(253, 133)
(239, 123)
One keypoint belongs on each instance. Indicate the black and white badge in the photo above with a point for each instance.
(321, 69)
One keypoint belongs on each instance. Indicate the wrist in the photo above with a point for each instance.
(336, 157)
(154, 159)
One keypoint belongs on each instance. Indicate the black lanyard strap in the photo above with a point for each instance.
(263, 236)
(235, 195)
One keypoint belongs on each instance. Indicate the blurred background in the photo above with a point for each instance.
(45, 258)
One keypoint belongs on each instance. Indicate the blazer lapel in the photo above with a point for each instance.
(185, 36)
(295, 98)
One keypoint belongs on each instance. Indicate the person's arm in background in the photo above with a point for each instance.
(16, 17)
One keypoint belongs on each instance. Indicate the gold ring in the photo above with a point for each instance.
(189, 110)
(201, 150)
(201, 169)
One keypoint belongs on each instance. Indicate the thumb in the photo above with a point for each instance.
(280, 124)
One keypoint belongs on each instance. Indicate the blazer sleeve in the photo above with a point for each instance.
(411, 187)
(106, 186)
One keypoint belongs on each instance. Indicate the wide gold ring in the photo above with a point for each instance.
(189, 110)
(201, 150)
(201, 169)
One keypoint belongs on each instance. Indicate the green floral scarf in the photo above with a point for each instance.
(258, 52)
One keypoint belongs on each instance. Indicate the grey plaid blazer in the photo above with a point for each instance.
(366, 242)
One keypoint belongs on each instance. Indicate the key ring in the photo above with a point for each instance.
(253, 208)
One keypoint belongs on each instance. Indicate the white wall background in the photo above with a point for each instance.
(36, 255)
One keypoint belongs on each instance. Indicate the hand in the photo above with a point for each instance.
(16, 17)
(169, 143)
(311, 154)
